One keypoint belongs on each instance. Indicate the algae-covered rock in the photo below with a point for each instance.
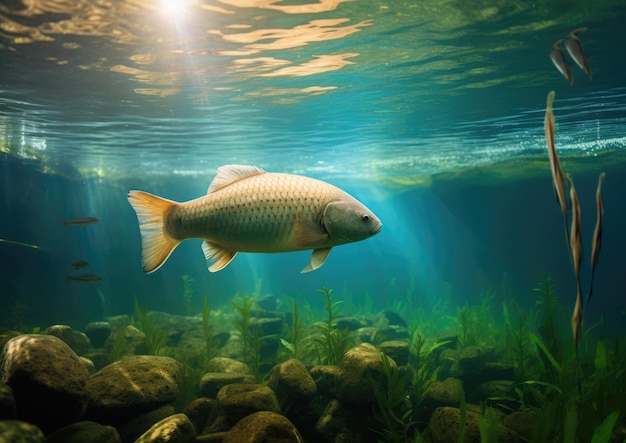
(85, 431)
(7, 402)
(48, 380)
(291, 382)
(199, 410)
(78, 341)
(237, 401)
(174, 429)
(340, 424)
(98, 332)
(325, 378)
(263, 427)
(135, 426)
(131, 386)
(227, 366)
(17, 431)
(445, 423)
(398, 350)
(212, 382)
(361, 370)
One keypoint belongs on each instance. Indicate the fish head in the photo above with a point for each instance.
(348, 220)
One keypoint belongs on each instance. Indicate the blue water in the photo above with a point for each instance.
(431, 114)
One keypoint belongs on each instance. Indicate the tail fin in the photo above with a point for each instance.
(156, 243)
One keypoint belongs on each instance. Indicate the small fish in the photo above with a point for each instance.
(19, 243)
(576, 50)
(80, 264)
(81, 221)
(558, 58)
(558, 178)
(596, 243)
(249, 210)
(576, 251)
(84, 278)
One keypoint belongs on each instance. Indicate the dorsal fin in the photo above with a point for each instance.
(229, 174)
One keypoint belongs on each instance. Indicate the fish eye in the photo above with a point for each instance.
(365, 218)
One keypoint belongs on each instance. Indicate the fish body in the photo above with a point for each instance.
(596, 242)
(81, 221)
(558, 58)
(84, 278)
(249, 210)
(80, 264)
(19, 243)
(575, 48)
(576, 251)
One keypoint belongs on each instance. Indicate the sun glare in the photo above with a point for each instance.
(172, 8)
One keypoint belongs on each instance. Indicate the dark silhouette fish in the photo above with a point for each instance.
(81, 221)
(84, 278)
(558, 58)
(558, 178)
(19, 243)
(80, 264)
(576, 250)
(576, 51)
(596, 243)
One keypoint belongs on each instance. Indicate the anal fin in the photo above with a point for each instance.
(219, 257)
(318, 257)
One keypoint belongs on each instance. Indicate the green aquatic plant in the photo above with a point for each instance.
(463, 417)
(298, 346)
(469, 327)
(392, 410)
(516, 341)
(333, 342)
(488, 425)
(118, 346)
(188, 294)
(250, 334)
(155, 336)
(548, 304)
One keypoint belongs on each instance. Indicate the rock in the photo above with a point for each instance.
(99, 358)
(88, 364)
(360, 367)
(388, 317)
(199, 410)
(6, 335)
(48, 380)
(127, 341)
(212, 382)
(7, 403)
(98, 332)
(365, 335)
(523, 423)
(17, 431)
(338, 424)
(325, 378)
(445, 422)
(132, 386)
(291, 382)
(174, 429)
(267, 326)
(237, 401)
(392, 332)
(351, 323)
(76, 340)
(131, 429)
(472, 360)
(263, 427)
(85, 431)
(227, 366)
(396, 349)
(495, 370)
(493, 388)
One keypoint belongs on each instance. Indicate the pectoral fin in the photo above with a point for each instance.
(308, 233)
(219, 258)
(318, 257)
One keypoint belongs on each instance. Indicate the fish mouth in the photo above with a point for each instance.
(377, 229)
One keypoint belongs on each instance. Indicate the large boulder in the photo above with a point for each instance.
(292, 382)
(85, 431)
(48, 379)
(132, 386)
(76, 340)
(262, 427)
(173, 429)
(17, 431)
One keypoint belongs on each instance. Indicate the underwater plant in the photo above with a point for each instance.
(333, 342)
(547, 302)
(392, 409)
(516, 344)
(298, 346)
(155, 336)
(250, 334)
(188, 294)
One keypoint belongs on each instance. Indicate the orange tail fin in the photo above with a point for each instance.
(156, 243)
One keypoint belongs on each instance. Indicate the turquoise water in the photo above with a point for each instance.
(431, 113)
